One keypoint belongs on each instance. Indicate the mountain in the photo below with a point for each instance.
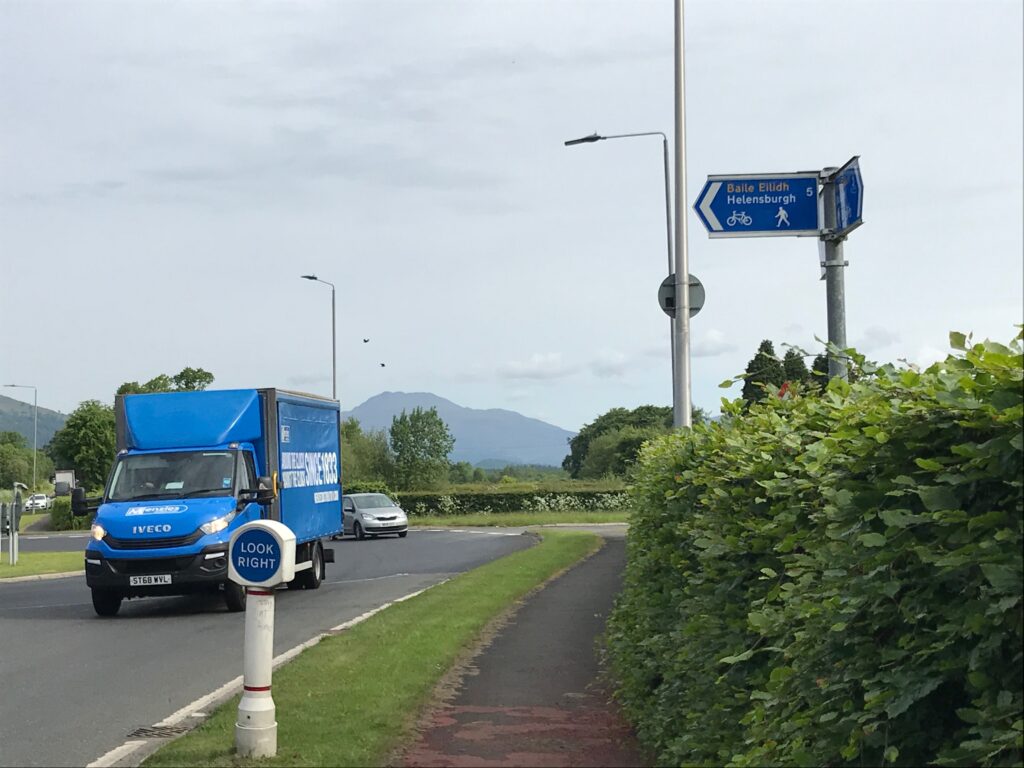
(16, 416)
(494, 435)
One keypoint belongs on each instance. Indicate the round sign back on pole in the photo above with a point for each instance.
(667, 295)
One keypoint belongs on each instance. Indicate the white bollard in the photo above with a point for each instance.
(261, 555)
(256, 728)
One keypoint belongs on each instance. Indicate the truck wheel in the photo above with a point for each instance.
(234, 596)
(313, 577)
(106, 602)
(358, 531)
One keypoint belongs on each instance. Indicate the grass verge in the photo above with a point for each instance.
(354, 698)
(27, 520)
(517, 519)
(35, 563)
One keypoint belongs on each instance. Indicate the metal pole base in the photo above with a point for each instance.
(256, 729)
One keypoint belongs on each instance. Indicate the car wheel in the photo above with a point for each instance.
(358, 531)
(403, 534)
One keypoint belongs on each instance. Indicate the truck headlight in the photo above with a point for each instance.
(98, 531)
(218, 524)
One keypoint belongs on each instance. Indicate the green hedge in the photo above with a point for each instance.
(462, 503)
(834, 580)
(61, 519)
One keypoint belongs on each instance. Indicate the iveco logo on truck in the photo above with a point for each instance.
(165, 528)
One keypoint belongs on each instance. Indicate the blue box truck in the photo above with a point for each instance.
(193, 466)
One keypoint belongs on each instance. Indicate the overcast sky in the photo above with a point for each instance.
(168, 170)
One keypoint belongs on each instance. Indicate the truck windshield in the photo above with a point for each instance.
(178, 475)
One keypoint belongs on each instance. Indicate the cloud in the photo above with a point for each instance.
(307, 379)
(927, 355)
(609, 364)
(875, 337)
(540, 366)
(711, 344)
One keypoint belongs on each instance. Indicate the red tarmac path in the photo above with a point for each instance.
(537, 698)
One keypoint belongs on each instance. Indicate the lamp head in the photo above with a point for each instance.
(585, 140)
(309, 277)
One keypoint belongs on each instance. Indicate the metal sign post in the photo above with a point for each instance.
(262, 555)
(776, 205)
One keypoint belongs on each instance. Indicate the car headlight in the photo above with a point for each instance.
(368, 516)
(98, 531)
(218, 524)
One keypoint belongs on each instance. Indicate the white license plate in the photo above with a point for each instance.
(145, 581)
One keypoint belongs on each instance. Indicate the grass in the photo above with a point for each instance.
(354, 698)
(35, 563)
(27, 520)
(516, 519)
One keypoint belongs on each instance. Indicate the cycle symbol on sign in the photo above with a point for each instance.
(739, 217)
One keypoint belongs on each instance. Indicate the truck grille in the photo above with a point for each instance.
(174, 541)
(154, 565)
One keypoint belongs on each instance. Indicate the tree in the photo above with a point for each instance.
(794, 367)
(644, 416)
(421, 443)
(86, 443)
(763, 369)
(365, 456)
(614, 453)
(186, 380)
(819, 371)
(13, 438)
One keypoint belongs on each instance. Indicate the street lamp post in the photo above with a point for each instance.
(334, 338)
(35, 425)
(668, 220)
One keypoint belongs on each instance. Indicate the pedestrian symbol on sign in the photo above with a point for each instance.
(782, 217)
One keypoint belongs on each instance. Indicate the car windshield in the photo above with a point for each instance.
(373, 501)
(177, 475)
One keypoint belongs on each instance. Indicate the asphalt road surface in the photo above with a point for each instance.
(53, 542)
(73, 686)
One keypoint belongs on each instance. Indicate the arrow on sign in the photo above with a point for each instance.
(705, 206)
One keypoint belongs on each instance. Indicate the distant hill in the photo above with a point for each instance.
(495, 436)
(16, 416)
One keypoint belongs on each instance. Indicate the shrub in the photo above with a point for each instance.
(367, 486)
(834, 580)
(61, 519)
(456, 502)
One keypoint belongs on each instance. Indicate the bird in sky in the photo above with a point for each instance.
(382, 365)
(365, 341)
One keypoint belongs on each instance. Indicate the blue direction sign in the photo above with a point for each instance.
(256, 555)
(760, 205)
(849, 193)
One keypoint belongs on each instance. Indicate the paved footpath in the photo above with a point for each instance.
(537, 699)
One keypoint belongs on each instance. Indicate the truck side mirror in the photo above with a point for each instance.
(263, 494)
(79, 506)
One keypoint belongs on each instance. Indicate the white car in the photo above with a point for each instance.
(37, 501)
(372, 514)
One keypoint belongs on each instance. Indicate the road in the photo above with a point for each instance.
(53, 542)
(73, 686)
